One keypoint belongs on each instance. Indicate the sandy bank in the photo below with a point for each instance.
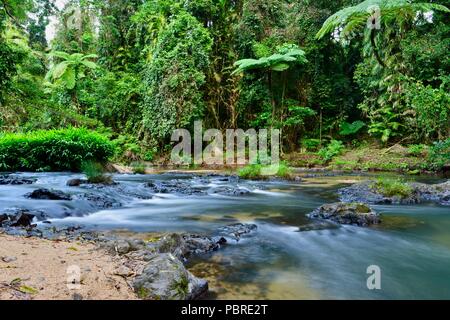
(40, 269)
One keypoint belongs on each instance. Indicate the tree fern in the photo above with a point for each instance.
(353, 19)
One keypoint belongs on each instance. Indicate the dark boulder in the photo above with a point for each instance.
(20, 218)
(347, 213)
(45, 194)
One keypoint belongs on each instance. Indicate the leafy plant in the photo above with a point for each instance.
(333, 149)
(439, 155)
(348, 129)
(416, 149)
(311, 144)
(71, 68)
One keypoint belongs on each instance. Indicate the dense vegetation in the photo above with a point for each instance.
(53, 150)
(137, 69)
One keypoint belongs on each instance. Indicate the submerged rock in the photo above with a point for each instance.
(347, 213)
(318, 225)
(45, 194)
(166, 278)
(230, 191)
(237, 230)
(175, 187)
(100, 201)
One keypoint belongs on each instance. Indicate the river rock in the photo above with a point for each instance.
(364, 192)
(174, 187)
(347, 213)
(166, 278)
(184, 245)
(12, 180)
(237, 230)
(20, 218)
(439, 193)
(230, 191)
(100, 201)
(45, 194)
(76, 182)
(421, 192)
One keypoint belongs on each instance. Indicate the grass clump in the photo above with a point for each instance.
(393, 187)
(139, 168)
(259, 171)
(251, 171)
(53, 150)
(95, 173)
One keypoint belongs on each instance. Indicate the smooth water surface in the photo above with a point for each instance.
(412, 246)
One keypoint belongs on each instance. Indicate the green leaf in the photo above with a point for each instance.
(69, 78)
(280, 67)
(89, 64)
(60, 54)
(29, 290)
(59, 70)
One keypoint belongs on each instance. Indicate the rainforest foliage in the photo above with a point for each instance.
(327, 73)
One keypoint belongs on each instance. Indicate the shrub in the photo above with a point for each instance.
(53, 150)
(311, 144)
(254, 171)
(139, 168)
(334, 149)
(416, 149)
(439, 155)
(392, 187)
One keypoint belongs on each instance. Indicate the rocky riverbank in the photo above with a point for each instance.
(106, 266)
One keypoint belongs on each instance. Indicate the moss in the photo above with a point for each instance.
(143, 293)
(362, 208)
(181, 287)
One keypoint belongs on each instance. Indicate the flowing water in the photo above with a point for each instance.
(412, 246)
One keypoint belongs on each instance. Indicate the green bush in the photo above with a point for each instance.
(416, 149)
(311, 144)
(334, 149)
(254, 171)
(138, 168)
(439, 155)
(53, 150)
